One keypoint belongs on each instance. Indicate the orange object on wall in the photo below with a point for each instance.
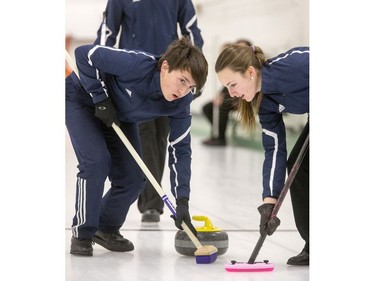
(68, 70)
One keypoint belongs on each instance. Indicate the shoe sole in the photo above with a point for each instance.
(302, 263)
(109, 247)
(150, 219)
(83, 254)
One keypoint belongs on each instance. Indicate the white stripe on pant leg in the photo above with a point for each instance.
(83, 215)
(75, 227)
(81, 206)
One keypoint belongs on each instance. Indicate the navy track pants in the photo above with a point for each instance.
(300, 189)
(100, 154)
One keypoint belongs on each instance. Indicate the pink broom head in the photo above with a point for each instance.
(249, 267)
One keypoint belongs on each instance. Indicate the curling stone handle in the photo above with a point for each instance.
(207, 222)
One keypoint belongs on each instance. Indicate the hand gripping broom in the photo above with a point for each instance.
(203, 254)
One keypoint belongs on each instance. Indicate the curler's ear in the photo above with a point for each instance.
(165, 65)
(252, 72)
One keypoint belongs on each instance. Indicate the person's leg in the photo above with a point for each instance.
(162, 132)
(154, 142)
(127, 181)
(126, 177)
(224, 110)
(299, 192)
(208, 109)
(93, 164)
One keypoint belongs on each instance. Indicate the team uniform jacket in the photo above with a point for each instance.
(143, 16)
(285, 89)
(132, 81)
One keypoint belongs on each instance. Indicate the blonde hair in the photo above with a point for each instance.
(238, 58)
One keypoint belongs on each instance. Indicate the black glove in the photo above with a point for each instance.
(267, 225)
(106, 111)
(182, 214)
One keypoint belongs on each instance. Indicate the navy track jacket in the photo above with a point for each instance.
(285, 89)
(149, 25)
(132, 81)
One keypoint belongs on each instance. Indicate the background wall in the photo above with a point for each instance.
(275, 26)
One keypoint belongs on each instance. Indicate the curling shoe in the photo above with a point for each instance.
(214, 142)
(151, 215)
(113, 241)
(301, 259)
(81, 247)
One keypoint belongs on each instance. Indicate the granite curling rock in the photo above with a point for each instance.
(207, 235)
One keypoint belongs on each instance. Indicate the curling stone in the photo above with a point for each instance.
(207, 235)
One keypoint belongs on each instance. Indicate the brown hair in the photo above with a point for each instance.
(238, 58)
(183, 55)
(243, 41)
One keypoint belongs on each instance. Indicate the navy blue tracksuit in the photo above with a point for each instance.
(285, 89)
(135, 90)
(150, 25)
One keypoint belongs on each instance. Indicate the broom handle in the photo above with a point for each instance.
(155, 184)
(291, 177)
(142, 165)
(282, 195)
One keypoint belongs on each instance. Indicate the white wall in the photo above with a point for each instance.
(274, 25)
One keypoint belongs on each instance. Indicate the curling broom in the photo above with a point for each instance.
(251, 265)
(204, 254)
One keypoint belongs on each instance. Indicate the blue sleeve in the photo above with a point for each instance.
(274, 143)
(94, 59)
(180, 155)
(113, 20)
(188, 23)
(89, 74)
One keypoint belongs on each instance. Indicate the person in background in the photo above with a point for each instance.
(150, 25)
(124, 87)
(224, 104)
(269, 88)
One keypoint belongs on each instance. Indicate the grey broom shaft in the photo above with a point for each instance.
(291, 177)
(283, 193)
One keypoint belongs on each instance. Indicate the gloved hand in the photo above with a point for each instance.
(182, 214)
(267, 225)
(106, 111)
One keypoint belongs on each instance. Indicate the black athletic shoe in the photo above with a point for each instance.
(214, 142)
(151, 215)
(113, 241)
(301, 259)
(81, 247)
